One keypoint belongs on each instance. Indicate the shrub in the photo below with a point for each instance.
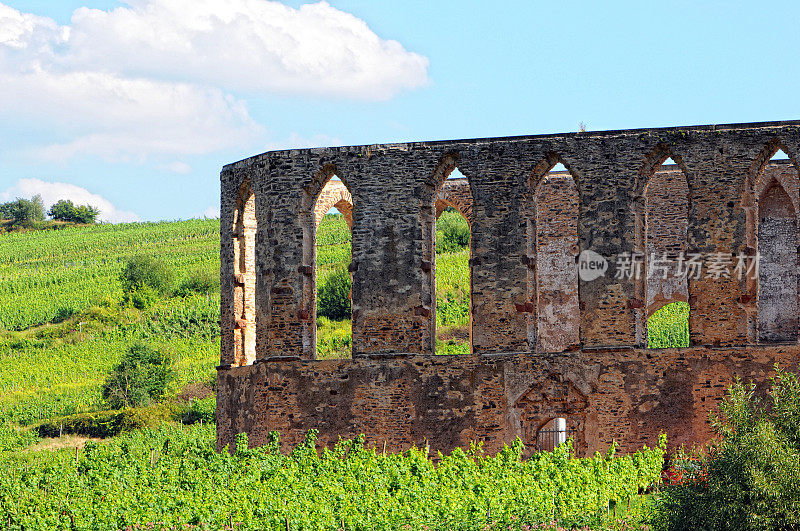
(109, 423)
(204, 409)
(141, 298)
(62, 314)
(333, 297)
(138, 379)
(66, 210)
(144, 279)
(452, 232)
(751, 480)
(199, 280)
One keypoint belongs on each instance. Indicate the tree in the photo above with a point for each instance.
(454, 230)
(751, 479)
(65, 210)
(333, 300)
(24, 212)
(141, 377)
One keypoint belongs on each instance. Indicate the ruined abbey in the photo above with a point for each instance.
(577, 239)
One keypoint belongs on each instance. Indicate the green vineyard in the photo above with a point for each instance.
(64, 326)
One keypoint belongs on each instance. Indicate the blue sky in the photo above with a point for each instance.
(130, 119)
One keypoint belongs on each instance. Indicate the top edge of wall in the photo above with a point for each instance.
(405, 146)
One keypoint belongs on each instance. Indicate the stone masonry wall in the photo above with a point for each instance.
(626, 395)
(395, 389)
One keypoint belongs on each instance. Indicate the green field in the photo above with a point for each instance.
(63, 327)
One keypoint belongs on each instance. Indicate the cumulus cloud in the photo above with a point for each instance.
(248, 45)
(52, 192)
(157, 77)
(23, 30)
(119, 118)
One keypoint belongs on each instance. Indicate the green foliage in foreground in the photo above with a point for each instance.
(668, 327)
(752, 479)
(175, 476)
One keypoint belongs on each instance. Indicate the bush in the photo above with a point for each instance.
(751, 480)
(65, 210)
(141, 298)
(199, 280)
(144, 279)
(138, 379)
(333, 297)
(204, 409)
(109, 423)
(62, 314)
(452, 232)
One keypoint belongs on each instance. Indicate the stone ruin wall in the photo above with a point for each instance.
(545, 343)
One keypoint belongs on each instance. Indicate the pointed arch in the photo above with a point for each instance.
(244, 273)
(758, 166)
(455, 193)
(661, 201)
(770, 202)
(318, 197)
(777, 267)
(334, 194)
(553, 220)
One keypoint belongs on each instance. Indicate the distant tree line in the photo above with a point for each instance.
(29, 212)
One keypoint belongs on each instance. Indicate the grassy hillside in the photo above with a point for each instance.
(62, 325)
(45, 275)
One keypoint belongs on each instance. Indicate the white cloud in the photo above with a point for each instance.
(247, 45)
(155, 78)
(53, 192)
(181, 168)
(22, 30)
(129, 119)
